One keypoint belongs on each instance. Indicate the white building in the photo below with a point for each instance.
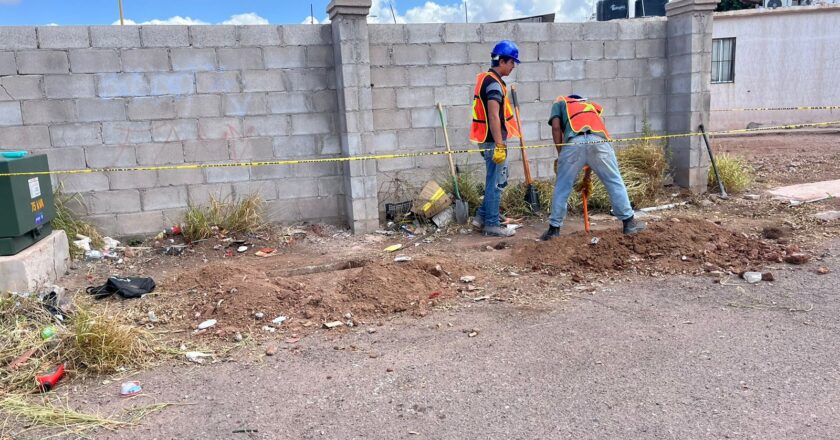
(783, 57)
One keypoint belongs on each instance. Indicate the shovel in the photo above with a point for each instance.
(462, 208)
(531, 198)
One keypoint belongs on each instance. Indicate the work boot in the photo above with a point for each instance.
(499, 231)
(477, 223)
(552, 232)
(631, 226)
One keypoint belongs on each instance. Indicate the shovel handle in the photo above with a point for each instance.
(525, 164)
(449, 150)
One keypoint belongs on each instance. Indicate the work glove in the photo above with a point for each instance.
(500, 153)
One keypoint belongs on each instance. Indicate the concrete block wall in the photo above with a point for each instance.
(128, 96)
(621, 64)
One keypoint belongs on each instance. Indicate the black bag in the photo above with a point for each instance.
(126, 287)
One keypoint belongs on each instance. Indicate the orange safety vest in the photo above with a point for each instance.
(480, 127)
(584, 115)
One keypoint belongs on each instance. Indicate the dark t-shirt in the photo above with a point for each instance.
(491, 90)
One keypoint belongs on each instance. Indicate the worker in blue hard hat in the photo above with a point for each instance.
(492, 123)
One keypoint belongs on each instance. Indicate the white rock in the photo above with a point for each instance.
(207, 324)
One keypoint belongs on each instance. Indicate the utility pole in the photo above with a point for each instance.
(391, 5)
(466, 13)
(311, 14)
(122, 21)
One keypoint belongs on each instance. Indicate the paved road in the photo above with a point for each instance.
(680, 358)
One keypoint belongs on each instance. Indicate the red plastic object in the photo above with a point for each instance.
(434, 295)
(47, 381)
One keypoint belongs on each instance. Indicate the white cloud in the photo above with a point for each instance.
(314, 20)
(238, 19)
(247, 18)
(480, 11)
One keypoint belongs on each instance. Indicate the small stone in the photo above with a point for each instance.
(752, 277)
(473, 334)
(348, 315)
(675, 220)
(207, 324)
(241, 249)
(772, 233)
(751, 196)
(233, 290)
(436, 271)
(279, 320)
(467, 279)
(271, 350)
(269, 329)
(152, 316)
(259, 315)
(237, 337)
(822, 270)
(389, 370)
(828, 215)
(797, 258)
(767, 276)
(371, 330)
(333, 324)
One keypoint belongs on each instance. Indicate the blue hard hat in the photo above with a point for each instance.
(575, 96)
(506, 48)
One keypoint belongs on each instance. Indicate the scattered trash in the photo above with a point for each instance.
(393, 248)
(196, 356)
(207, 324)
(93, 255)
(594, 241)
(48, 332)
(444, 218)
(132, 388)
(152, 316)
(822, 270)
(752, 277)
(333, 324)
(174, 230)
(663, 207)
(242, 249)
(269, 329)
(431, 200)
(20, 360)
(126, 287)
(434, 295)
(797, 258)
(402, 258)
(467, 279)
(266, 252)
(279, 320)
(109, 243)
(46, 382)
(482, 298)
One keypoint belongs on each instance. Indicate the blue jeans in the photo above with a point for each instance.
(494, 184)
(601, 158)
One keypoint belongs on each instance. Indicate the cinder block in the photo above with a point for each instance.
(631, 30)
(416, 138)
(263, 81)
(419, 33)
(217, 82)
(19, 87)
(258, 35)
(452, 95)
(323, 169)
(180, 177)
(241, 58)
(241, 104)
(590, 88)
(63, 37)
(493, 32)
(263, 188)
(325, 101)
(388, 77)
(383, 98)
(314, 79)
(160, 153)
(94, 109)
(621, 124)
(44, 112)
(79, 183)
(163, 198)
(115, 36)
(94, 61)
(69, 158)
(619, 87)
(620, 50)
(601, 69)
(656, 28)
(17, 37)
(636, 68)
(320, 56)
(272, 172)
(30, 136)
(107, 156)
(536, 32)
(206, 150)
(391, 120)
(461, 32)
(330, 144)
(449, 54)
(219, 128)
(172, 83)
(387, 33)
(306, 34)
(193, 59)
(10, 113)
(587, 50)
(285, 57)
(539, 71)
(424, 117)
(151, 108)
(227, 174)
(463, 74)
(251, 149)
(213, 36)
(271, 125)
(198, 106)
(69, 86)
(379, 55)
(126, 132)
(480, 53)
(296, 146)
(420, 97)
(42, 61)
(75, 135)
(599, 30)
(291, 102)
(164, 36)
(411, 55)
(145, 60)
(297, 189)
(657, 67)
(201, 194)
(8, 66)
(555, 51)
(312, 123)
(121, 84)
(139, 223)
(171, 130)
(650, 48)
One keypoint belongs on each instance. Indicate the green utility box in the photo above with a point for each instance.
(26, 202)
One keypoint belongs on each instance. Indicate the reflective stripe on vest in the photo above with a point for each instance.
(584, 116)
(480, 128)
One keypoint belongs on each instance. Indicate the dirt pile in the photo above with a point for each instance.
(240, 297)
(673, 246)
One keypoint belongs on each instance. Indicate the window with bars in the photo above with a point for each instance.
(723, 60)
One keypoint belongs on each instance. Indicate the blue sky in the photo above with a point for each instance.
(86, 12)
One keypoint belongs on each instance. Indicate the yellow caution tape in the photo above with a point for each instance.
(435, 197)
(400, 155)
(766, 109)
